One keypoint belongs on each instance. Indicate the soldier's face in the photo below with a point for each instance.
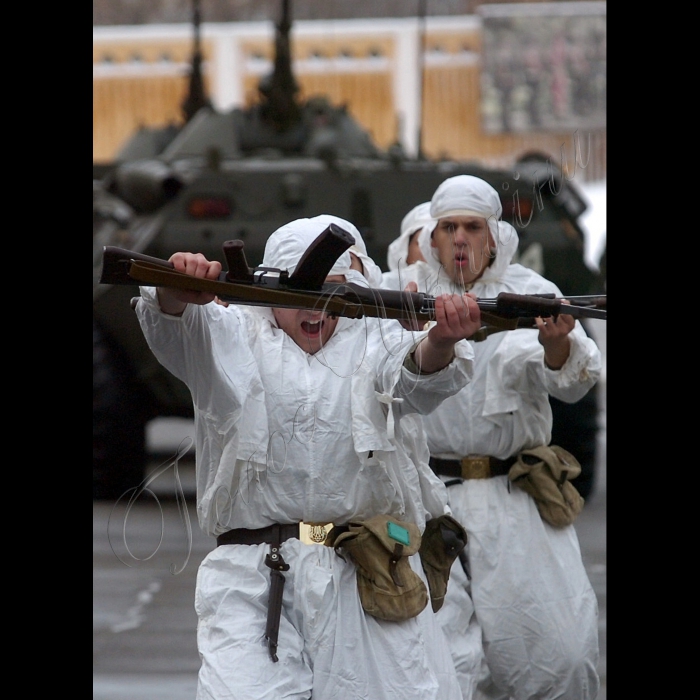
(463, 244)
(309, 329)
(414, 251)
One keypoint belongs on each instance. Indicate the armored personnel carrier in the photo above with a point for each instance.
(240, 175)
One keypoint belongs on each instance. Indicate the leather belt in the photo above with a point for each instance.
(309, 533)
(472, 466)
(274, 535)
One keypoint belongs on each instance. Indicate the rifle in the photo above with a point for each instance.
(306, 288)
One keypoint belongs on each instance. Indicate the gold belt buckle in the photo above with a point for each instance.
(314, 533)
(476, 467)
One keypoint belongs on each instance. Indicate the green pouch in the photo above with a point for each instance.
(443, 539)
(544, 473)
(379, 547)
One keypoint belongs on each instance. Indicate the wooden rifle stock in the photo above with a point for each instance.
(305, 288)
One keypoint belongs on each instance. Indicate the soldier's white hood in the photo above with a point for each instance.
(288, 243)
(413, 221)
(466, 195)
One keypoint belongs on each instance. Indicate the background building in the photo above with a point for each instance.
(487, 85)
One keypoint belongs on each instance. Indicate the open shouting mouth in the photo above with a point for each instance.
(312, 329)
(461, 259)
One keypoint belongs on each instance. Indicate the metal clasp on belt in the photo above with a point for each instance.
(314, 533)
(476, 467)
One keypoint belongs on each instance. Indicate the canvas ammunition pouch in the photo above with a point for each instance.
(442, 541)
(544, 472)
(379, 547)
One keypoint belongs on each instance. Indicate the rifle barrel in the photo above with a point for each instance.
(531, 306)
(508, 311)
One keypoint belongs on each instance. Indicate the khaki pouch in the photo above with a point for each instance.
(544, 473)
(379, 547)
(442, 541)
